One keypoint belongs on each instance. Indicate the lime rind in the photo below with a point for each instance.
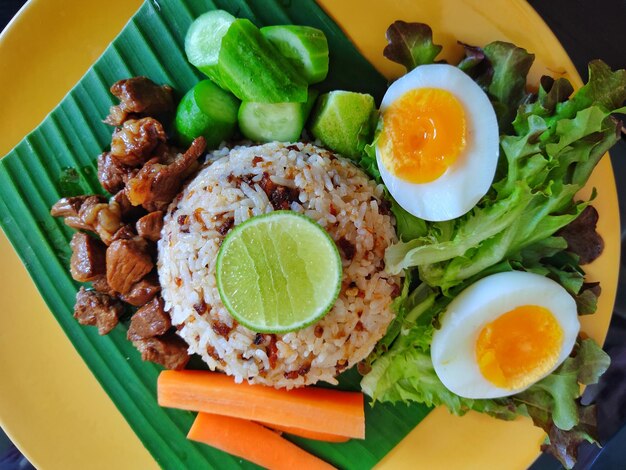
(260, 323)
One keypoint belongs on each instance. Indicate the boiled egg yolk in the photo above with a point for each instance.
(424, 133)
(519, 347)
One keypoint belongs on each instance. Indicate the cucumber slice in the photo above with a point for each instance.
(206, 110)
(305, 47)
(267, 122)
(203, 41)
(253, 70)
(342, 120)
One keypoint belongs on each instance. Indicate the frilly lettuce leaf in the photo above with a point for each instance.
(507, 88)
(410, 44)
(500, 68)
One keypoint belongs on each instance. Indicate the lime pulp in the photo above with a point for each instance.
(278, 272)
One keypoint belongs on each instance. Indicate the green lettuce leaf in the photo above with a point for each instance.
(408, 227)
(501, 69)
(587, 298)
(507, 88)
(410, 44)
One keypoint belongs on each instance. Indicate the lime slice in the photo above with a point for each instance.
(278, 272)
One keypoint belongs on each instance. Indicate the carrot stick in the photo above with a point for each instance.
(311, 409)
(252, 442)
(318, 436)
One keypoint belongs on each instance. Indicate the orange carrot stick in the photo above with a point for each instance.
(252, 442)
(311, 409)
(318, 436)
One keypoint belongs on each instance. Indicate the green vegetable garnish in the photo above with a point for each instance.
(253, 70)
(305, 47)
(203, 41)
(209, 111)
(267, 122)
(342, 120)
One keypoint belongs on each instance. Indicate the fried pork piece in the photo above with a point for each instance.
(150, 225)
(130, 213)
(113, 174)
(143, 291)
(168, 350)
(125, 232)
(93, 213)
(127, 261)
(139, 97)
(135, 141)
(280, 196)
(101, 285)
(68, 207)
(88, 257)
(96, 309)
(149, 321)
(157, 183)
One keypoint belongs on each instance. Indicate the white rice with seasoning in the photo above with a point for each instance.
(240, 183)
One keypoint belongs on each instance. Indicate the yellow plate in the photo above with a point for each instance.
(51, 405)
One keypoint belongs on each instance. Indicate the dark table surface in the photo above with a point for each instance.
(588, 29)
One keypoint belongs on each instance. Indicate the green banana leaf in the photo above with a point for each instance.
(58, 159)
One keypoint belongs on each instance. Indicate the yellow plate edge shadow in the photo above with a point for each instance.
(55, 410)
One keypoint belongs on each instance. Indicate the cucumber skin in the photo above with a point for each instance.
(295, 114)
(314, 64)
(195, 117)
(196, 57)
(253, 70)
(340, 132)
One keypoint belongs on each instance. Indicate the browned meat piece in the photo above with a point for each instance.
(225, 226)
(104, 217)
(347, 247)
(130, 213)
(101, 285)
(91, 213)
(68, 206)
(221, 329)
(157, 184)
(149, 226)
(134, 143)
(127, 261)
(280, 196)
(168, 350)
(582, 237)
(143, 291)
(96, 309)
(149, 321)
(113, 174)
(125, 232)
(88, 257)
(140, 96)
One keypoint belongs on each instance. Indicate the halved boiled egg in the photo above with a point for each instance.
(438, 149)
(504, 333)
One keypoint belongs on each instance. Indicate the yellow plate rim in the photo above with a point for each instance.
(34, 10)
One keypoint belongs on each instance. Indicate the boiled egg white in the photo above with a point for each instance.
(504, 333)
(438, 148)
